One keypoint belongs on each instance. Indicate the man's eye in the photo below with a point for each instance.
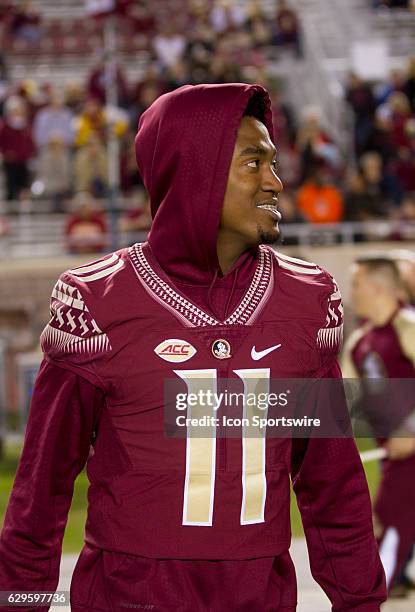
(254, 161)
(275, 164)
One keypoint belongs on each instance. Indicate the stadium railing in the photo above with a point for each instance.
(43, 235)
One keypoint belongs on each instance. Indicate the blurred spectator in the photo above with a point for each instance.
(381, 138)
(226, 15)
(287, 28)
(16, 147)
(315, 145)
(290, 214)
(379, 183)
(199, 51)
(25, 22)
(408, 207)
(98, 120)
(176, 75)
(282, 116)
(90, 120)
(141, 17)
(52, 119)
(130, 176)
(224, 71)
(137, 219)
(4, 226)
(289, 163)
(288, 208)
(55, 171)
(86, 228)
(257, 23)
(146, 93)
(360, 97)
(395, 82)
(361, 203)
(4, 79)
(318, 200)
(91, 167)
(96, 83)
(73, 96)
(404, 168)
(406, 228)
(409, 88)
(401, 113)
(169, 45)
(34, 95)
(6, 13)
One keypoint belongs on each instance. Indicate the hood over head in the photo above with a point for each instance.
(184, 147)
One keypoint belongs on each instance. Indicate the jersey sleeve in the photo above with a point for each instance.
(64, 412)
(330, 334)
(72, 338)
(333, 499)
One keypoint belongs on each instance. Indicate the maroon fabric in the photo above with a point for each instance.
(378, 353)
(108, 320)
(96, 87)
(136, 474)
(16, 146)
(333, 499)
(107, 581)
(63, 412)
(394, 508)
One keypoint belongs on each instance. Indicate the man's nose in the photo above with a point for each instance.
(271, 181)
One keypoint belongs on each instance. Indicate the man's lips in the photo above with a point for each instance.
(271, 207)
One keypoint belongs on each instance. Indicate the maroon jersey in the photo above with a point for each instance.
(121, 324)
(124, 324)
(386, 351)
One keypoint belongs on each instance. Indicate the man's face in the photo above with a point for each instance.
(364, 291)
(249, 212)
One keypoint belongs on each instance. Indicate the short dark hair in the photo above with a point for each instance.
(256, 107)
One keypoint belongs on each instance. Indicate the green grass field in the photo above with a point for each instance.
(75, 528)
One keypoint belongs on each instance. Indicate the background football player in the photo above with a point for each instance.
(384, 347)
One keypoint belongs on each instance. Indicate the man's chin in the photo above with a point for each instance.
(268, 236)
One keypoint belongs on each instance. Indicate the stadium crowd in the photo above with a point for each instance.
(53, 141)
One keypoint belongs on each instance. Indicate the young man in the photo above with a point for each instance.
(384, 347)
(196, 524)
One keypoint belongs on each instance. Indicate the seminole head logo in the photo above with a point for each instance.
(221, 349)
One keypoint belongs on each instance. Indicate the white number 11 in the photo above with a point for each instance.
(199, 486)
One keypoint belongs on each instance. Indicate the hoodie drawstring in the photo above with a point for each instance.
(228, 301)
(215, 276)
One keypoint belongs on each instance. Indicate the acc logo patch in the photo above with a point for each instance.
(174, 350)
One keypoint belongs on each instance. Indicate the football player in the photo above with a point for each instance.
(196, 524)
(383, 347)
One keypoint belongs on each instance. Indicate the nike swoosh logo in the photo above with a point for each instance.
(256, 355)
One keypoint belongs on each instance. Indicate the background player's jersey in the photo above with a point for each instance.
(120, 323)
(386, 351)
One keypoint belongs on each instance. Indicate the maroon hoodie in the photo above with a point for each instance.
(125, 325)
(193, 148)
